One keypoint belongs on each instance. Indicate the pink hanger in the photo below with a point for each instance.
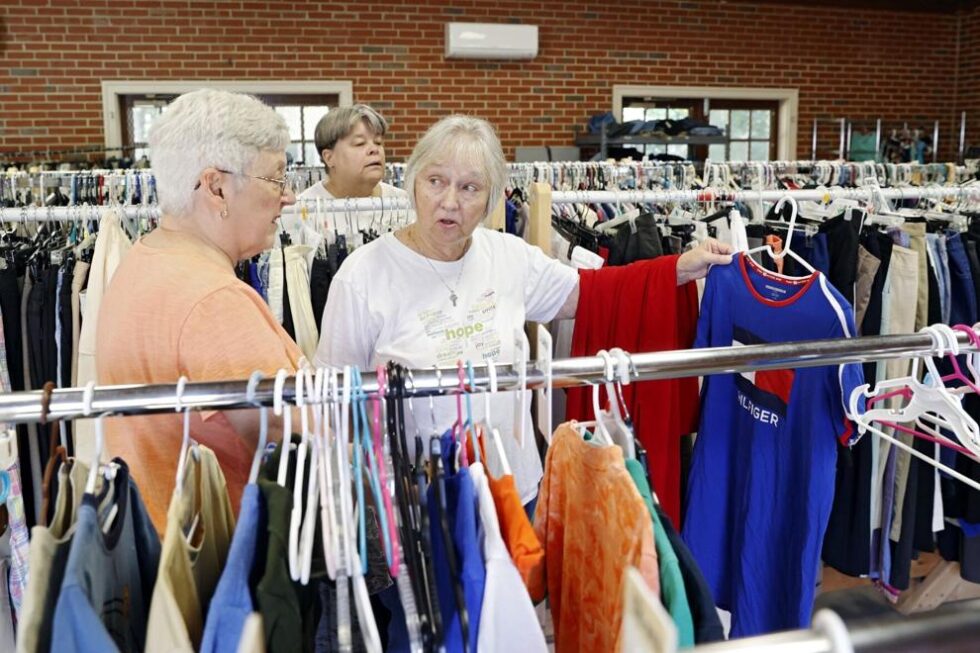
(383, 473)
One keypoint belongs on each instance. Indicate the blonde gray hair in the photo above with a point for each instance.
(340, 122)
(456, 138)
(209, 128)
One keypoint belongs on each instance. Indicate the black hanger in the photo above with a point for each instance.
(411, 514)
(439, 495)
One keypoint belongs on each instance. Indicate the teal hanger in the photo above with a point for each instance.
(374, 474)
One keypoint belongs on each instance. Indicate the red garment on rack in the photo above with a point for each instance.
(640, 308)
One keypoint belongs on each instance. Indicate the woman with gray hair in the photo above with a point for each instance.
(350, 141)
(175, 307)
(444, 289)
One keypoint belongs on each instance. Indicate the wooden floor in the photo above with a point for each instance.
(833, 580)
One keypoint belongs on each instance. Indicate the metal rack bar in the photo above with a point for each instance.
(141, 399)
(575, 197)
(953, 627)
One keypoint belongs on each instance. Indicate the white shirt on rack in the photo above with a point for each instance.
(508, 621)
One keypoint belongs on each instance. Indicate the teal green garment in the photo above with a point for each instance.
(672, 591)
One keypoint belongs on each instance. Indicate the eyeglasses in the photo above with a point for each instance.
(283, 184)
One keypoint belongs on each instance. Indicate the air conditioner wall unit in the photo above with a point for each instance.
(491, 41)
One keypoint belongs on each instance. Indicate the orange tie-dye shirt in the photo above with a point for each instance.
(593, 525)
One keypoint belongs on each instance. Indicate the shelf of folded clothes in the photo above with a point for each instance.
(596, 139)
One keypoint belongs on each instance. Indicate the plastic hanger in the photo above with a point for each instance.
(287, 426)
(187, 445)
(618, 401)
(521, 346)
(767, 248)
(394, 557)
(358, 450)
(374, 470)
(253, 382)
(299, 474)
(439, 496)
(494, 433)
(93, 472)
(924, 401)
(308, 524)
(362, 602)
(462, 456)
(328, 513)
(545, 345)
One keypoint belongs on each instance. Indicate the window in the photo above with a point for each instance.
(130, 107)
(750, 127)
(301, 113)
(649, 109)
(757, 115)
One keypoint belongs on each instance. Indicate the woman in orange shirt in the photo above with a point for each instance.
(175, 307)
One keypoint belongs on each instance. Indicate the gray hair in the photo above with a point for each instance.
(209, 128)
(339, 122)
(465, 138)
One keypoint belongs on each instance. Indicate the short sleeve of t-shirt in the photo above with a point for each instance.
(549, 283)
(227, 332)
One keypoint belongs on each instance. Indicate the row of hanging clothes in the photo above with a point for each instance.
(72, 188)
(339, 520)
(898, 268)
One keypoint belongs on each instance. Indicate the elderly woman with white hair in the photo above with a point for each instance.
(444, 289)
(175, 307)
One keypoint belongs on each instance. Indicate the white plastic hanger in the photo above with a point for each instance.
(623, 373)
(767, 248)
(308, 525)
(287, 426)
(494, 433)
(927, 402)
(296, 515)
(253, 382)
(521, 346)
(545, 393)
(186, 444)
(328, 514)
(93, 472)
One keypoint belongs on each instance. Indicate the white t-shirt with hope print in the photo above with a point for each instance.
(389, 303)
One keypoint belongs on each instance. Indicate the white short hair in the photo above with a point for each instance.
(209, 128)
(464, 138)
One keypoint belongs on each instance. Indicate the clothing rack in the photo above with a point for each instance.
(68, 403)
(953, 627)
(93, 212)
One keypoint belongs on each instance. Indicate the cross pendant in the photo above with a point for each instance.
(453, 298)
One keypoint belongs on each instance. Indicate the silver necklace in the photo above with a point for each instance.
(453, 297)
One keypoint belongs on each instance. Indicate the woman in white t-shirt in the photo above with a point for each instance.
(444, 289)
(351, 142)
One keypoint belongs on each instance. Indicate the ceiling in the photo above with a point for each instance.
(927, 6)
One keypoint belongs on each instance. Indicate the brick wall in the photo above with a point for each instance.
(855, 63)
(968, 84)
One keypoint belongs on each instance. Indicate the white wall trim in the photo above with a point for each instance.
(788, 115)
(111, 90)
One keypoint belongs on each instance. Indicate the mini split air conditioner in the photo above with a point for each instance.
(491, 41)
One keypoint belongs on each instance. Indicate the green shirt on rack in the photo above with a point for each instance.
(672, 589)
